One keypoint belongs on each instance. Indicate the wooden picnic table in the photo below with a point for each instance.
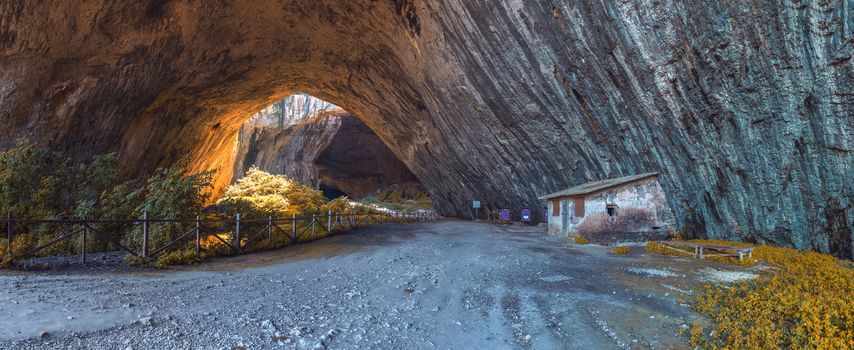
(697, 249)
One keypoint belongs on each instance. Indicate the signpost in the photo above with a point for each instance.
(475, 205)
(546, 217)
(504, 215)
(526, 215)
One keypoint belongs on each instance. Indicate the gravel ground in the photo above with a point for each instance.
(437, 285)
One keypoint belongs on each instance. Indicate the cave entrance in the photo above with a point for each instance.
(323, 146)
(331, 192)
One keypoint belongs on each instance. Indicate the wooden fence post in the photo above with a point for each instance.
(9, 224)
(83, 242)
(145, 234)
(293, 227)
(270, 230)
(198, 235)
(313, 219)
(237, 233)
(329, 223)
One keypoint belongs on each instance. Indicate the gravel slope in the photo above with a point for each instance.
(437, 285)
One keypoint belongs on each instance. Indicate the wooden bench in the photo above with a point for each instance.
(697, 249)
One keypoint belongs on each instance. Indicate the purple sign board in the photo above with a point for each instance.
(504, 215)
(526, 214)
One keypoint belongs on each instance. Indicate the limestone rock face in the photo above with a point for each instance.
(358, 163)
(744, 107)
(318, 144)
(287, 137)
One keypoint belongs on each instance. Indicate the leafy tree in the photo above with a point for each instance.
(33, 182)
(260, 194)
(170, 193)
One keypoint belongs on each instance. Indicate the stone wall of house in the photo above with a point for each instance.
(642, 213)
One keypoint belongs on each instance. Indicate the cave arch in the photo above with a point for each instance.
(482, 100)
(320, 145)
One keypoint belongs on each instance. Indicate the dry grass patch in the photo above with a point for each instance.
(581, 240)
(621, 250)
(805, 301)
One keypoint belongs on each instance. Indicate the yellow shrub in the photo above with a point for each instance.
(620, 250)
(179, 257)
(5, 259)
(581, 240)
(805, 302)
(60, 248)
(654, 247)
(20, 245)
(697, 339)
(135, 260)
(278, 241)
(271, 194)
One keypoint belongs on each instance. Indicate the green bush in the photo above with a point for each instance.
(37, 183)
(169, 193)
(34, 182)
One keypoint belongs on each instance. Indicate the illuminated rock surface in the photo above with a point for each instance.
(744, 107)
(287, 137)
(320, 145)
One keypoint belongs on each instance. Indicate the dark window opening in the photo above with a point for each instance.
(611, 209)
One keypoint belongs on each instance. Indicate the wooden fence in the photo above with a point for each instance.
(293, 228)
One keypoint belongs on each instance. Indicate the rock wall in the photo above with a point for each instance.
(358, 163)
(319, 144)
(287, 137)
(744, 107)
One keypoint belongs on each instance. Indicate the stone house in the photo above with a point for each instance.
(629, 208)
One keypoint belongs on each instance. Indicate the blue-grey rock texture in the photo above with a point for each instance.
(359, 164)
(744, 107)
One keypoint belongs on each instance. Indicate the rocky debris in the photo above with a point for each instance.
(714, 275)
(556, 278)
(654, 272)
(407, 286)
(146, 321)
(594, 314)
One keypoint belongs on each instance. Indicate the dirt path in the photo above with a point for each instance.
(443, 285)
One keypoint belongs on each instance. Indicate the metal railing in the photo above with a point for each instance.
(295, 229)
